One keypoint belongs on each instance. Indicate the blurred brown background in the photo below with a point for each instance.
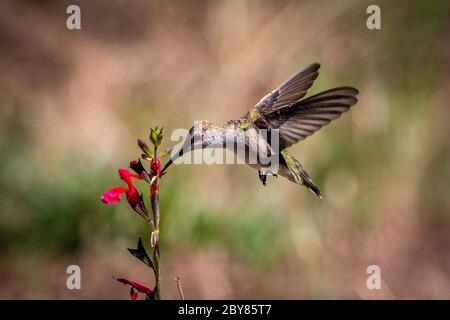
(72, 104)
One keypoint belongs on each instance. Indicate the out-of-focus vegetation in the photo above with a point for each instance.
(74, 102)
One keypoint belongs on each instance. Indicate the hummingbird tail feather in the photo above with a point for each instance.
(308, 183)
(299, 175)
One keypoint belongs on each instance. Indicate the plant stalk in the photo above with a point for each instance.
(154, 196)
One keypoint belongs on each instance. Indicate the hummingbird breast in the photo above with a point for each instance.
(252, 148)
(250, 145)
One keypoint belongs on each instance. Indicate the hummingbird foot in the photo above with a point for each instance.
(262, 177)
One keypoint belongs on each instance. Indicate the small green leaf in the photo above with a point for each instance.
(165, 153)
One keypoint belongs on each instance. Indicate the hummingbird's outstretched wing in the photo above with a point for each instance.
(290, 91)
(301, 119)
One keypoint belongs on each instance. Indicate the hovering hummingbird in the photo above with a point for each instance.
(284, 110)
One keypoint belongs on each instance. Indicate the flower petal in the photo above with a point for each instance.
(136, 176)
(136, 285)
(133, 294)
(113, 195)
(126, 176)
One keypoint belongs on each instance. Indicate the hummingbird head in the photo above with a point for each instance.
(195, 139)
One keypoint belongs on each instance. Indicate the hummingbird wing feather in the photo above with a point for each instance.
(305, 117)
(290, 91)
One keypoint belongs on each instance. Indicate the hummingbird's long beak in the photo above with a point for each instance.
(171, 160)
(186, 147)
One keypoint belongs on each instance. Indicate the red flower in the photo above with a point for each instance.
(133, 197)
(113, 195)
(155, 167)
(136, 288)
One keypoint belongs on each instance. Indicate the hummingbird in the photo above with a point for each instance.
(284, 110)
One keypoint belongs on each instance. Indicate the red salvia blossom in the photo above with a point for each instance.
(133, 197)
(113, 194)
(136, 288)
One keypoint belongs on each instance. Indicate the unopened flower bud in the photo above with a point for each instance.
(154, 239)
(144, 147)
(156, 136)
